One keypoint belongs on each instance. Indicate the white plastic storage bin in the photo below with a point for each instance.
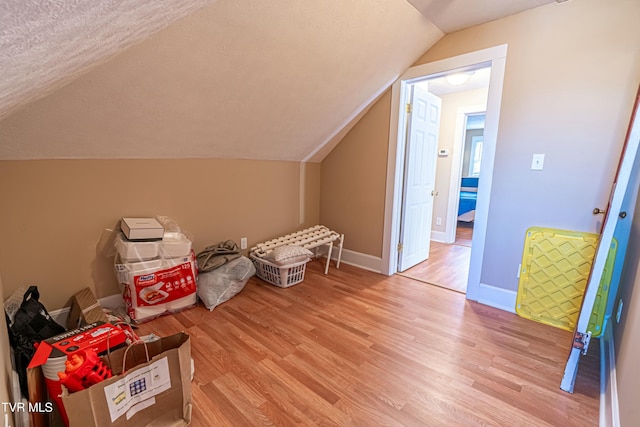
(280, 275)
(136, 251)
(174, 245)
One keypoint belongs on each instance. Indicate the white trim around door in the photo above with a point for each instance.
(494, 57)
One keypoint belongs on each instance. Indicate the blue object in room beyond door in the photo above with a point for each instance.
(468, 195)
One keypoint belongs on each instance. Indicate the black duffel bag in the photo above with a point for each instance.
(31, 324)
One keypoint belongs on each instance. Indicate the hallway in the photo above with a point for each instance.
(448, 264)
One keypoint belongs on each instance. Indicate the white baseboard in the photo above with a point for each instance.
(112, 301)
(609, 411)
(360, 260)
(439, 236)
(503, 299)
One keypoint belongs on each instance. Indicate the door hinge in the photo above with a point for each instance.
(581, 341)
(409, 108)
(400, 247)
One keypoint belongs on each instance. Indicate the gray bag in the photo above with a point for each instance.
(215, 256)
(220, 285)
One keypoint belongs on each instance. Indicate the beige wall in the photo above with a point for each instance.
(571, 72)
(54, 212)
(450, 105)
(353, 181)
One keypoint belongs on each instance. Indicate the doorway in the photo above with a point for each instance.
(494, 58)
(456, 169)
(424, 111)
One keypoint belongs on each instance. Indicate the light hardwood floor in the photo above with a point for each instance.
(355, 348)
(448, 264)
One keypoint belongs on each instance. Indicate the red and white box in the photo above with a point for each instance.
(97, 336)
(152, 289)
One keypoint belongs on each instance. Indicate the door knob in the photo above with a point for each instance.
(434, 193)
(597, 211)
(622, 214)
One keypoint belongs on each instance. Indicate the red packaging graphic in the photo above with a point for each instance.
(97, 336)
(168, 287)
(165, 285)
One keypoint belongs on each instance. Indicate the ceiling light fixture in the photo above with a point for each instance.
(458, 79)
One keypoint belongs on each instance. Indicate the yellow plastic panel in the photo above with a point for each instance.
(596, 321)
(554, 273)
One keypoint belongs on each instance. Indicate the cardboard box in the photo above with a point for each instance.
(84, 309)
(142, 228)
(98, 336)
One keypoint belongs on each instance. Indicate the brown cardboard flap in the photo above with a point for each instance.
(171, 405)
(37, 393)
(84, 309)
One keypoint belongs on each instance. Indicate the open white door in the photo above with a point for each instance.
(420, 176)
(621, 208)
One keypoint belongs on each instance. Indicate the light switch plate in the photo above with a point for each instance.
(537, 163)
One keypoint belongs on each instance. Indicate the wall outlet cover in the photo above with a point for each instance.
(537, 162)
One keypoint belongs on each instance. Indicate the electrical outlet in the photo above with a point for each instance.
(438, 221)
(243, 243)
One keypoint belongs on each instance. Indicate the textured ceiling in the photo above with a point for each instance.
(254, 79)
(44, 44)
(248, 79)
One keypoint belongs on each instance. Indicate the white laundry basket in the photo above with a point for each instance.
(280, 275)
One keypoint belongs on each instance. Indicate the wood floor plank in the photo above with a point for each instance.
(210, 359)
(312, 384)
(312, 404)
(268, 335)
(355, 348)
(434, 408)
(244, 398)
(235, 342)
(229, 407)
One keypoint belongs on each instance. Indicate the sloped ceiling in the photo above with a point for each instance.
(454, 15)
(44, 44)
(237, 79)
(253, 79)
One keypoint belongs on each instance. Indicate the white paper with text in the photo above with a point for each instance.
(136, 386)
